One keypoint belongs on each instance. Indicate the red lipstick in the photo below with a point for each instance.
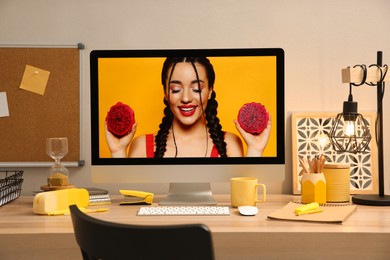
(187, 110)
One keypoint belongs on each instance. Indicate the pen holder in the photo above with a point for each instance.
(313, 188)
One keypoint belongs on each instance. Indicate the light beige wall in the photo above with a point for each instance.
(319, 38)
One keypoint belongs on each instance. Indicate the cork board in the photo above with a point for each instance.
(34, 117)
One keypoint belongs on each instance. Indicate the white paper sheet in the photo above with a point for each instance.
(4, 111)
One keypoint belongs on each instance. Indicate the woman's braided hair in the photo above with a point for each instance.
(212, 119)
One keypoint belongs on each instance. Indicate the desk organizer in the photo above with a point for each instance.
(313, 188)
(10, 186)
(337, 182)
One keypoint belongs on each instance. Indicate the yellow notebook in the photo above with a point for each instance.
(332, 213)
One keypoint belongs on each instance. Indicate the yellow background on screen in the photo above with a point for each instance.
(137, 82)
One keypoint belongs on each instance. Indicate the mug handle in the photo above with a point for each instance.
(264, 192)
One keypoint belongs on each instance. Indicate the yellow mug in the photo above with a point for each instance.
(243, 191)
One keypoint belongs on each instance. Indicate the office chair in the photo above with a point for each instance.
(99, 239)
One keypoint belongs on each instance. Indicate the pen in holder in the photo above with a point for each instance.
(313, 182)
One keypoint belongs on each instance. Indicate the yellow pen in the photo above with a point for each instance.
(66, 211)
(94, 210)
(91, 210)
(58, 212)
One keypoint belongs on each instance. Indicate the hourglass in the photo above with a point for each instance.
(57, 148)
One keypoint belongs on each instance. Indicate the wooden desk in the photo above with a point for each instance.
(365, 235)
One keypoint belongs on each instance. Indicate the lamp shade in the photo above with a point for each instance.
(350, 133)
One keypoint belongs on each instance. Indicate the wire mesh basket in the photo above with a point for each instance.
(10, 186)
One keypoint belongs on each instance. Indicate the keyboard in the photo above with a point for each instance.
(184, 211)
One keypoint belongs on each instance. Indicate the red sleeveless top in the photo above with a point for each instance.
(150, 147)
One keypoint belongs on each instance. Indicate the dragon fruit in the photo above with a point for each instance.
(120, 119)
(253, 118)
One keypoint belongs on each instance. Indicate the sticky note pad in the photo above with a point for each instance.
(35, 79)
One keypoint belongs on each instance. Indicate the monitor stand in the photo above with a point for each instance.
(189, 194)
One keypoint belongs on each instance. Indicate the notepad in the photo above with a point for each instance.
(98, 196)
(332, 213)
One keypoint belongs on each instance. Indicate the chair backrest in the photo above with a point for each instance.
(99, 239)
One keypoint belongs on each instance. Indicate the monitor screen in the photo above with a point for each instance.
(161, 109)
(133, 78)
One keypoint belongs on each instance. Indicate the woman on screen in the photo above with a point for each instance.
(190, 126)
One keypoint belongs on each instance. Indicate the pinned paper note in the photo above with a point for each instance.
(35, 79)
(4, 111)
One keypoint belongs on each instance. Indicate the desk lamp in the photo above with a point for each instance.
(350, 131)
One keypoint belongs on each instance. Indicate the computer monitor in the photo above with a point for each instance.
(136, 79)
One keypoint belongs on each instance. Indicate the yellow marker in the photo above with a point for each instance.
(308, 212)
(307, 208)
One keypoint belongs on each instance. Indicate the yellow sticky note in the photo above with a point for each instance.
(35, 79)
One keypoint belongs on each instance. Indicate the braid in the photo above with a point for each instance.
(162, 135)
(215, 128)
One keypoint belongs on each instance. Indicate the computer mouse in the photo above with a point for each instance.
(248, 210)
